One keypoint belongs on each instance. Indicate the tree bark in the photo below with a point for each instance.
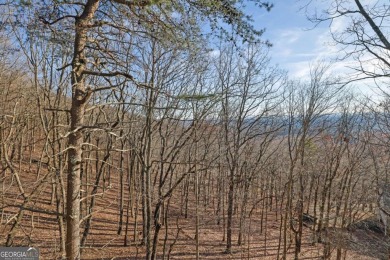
(80, 96)
(230, 213)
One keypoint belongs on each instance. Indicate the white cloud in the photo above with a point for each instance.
(291, 35)
(214, 53)
(296, 48)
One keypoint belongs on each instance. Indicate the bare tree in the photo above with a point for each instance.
(248, 87)
(363, 35)
(94, 56)
(309, 105)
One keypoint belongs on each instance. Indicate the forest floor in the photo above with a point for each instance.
(364, 240)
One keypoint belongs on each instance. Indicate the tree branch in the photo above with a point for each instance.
(108, 74)
(139, 3)
(374, 27)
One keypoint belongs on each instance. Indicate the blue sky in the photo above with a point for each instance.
(298, 44)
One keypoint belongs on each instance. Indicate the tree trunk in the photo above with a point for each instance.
(80, 96)
(230, 214)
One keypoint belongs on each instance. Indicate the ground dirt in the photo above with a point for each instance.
(363, 240)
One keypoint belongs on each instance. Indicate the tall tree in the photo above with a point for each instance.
(92, 28)
(364, 37)
(362, 33)
(249, 87)
(307, 108)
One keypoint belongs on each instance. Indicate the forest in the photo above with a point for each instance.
(162, 129)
